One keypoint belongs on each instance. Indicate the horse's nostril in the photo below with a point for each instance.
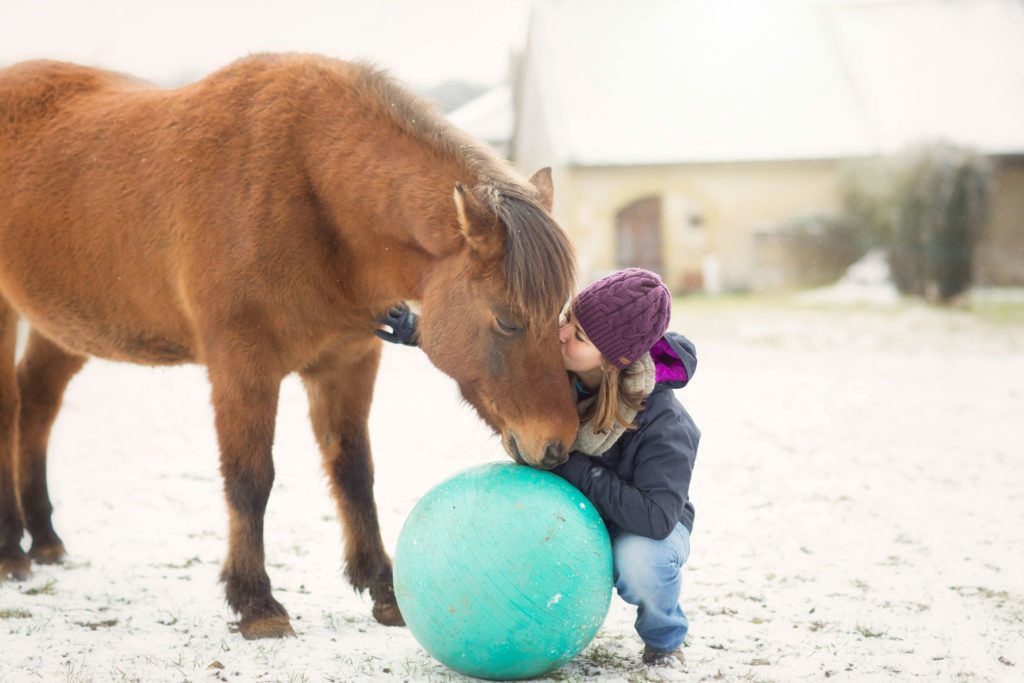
(553, 456)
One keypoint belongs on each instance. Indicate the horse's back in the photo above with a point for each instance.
(34, 91)
(128, 212)
(81, 247)
(136, 219)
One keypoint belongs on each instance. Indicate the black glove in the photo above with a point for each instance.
(403, 324)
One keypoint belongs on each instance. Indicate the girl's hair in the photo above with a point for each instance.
(611, 395)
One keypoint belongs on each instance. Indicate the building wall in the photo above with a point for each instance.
(733, 203)
(1000, 256)
(710, 214)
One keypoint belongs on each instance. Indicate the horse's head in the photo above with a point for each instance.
(490, 312)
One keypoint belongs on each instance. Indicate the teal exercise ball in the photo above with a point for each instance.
(504, 572)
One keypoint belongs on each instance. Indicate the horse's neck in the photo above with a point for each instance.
(395, 226)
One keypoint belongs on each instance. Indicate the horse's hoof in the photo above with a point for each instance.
(18, 567)
(277, 626)
(47, 554)
(387, 613)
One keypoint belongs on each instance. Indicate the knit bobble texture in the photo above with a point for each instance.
(624, 314)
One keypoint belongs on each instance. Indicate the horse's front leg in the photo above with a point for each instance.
(340, 388)
(245, 395)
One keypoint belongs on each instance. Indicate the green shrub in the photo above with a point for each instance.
(928, 207)
(943, 203)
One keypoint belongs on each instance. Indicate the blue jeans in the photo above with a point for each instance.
(648, 575)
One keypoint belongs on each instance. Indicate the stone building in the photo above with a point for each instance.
(682, 134)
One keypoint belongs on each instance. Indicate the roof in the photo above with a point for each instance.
(489, 116)
(688, 81)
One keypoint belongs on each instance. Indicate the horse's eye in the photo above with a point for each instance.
(507, 328)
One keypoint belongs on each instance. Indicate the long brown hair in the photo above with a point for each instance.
(612, 396)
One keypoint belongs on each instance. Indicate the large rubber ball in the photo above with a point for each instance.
(504, 572)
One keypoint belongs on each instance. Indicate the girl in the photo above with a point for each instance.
(636, 445)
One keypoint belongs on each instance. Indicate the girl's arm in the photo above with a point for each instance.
(653, 503)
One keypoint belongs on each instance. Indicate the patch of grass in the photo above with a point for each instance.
(745, 596)
(93, 625)
(119, 674)
(980, 591)
(641, 676)
(1008, 313)
(167, 618)
(412, 670)
(14, 614)
(75, 672)
(266, 653)
(187, 564)
(603, 657)
(723, 301)
(918, 606)
(47, 588)
(868, 633)
(37, 626)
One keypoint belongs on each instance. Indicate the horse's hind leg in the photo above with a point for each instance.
(245, 394)
(340, 387)
(13, 560)
(43, 375)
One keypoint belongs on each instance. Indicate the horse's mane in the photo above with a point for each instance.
(539, 264)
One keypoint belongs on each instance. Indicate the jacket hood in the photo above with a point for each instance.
(675, 360)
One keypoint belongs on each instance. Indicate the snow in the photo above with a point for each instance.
(867, 281)
(858, 495)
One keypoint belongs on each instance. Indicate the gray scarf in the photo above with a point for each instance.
(640, 379)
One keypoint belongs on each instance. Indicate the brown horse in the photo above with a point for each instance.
(257, 222)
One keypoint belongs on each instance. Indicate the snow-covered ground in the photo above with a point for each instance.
(859, 494)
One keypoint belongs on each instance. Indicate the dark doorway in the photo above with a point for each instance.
(638, 235)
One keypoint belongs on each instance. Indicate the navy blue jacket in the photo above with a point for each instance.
(641, 484)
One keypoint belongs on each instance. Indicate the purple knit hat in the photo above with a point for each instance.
(624, 314)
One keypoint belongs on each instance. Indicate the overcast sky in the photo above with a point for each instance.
(422, 42)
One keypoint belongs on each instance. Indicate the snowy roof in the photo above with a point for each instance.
(488, 117)
(666, 81)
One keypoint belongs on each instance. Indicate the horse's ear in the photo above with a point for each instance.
(541, 180)
(478, 225)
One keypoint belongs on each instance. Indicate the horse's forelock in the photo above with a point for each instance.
(539, 264)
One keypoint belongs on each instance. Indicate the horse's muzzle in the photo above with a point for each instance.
(554, 455)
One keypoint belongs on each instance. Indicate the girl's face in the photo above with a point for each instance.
(578, 354)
